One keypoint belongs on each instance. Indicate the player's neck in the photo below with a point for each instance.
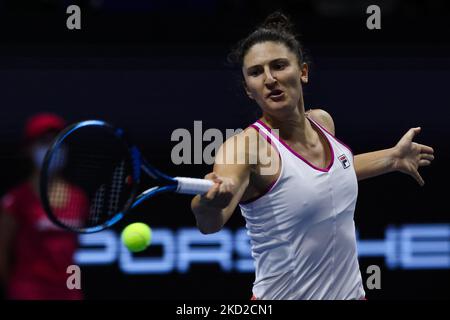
(293, 128)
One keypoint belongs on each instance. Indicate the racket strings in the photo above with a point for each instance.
(88, 178)
(97, 205)
(116, 188)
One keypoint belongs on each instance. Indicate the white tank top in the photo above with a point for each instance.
(302, 231)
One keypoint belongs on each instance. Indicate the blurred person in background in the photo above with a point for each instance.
(34, 253)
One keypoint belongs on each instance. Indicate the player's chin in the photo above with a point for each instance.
(277, 106)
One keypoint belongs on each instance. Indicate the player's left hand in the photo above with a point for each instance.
(408, 156)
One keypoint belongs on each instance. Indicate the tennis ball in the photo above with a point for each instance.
(137, 236)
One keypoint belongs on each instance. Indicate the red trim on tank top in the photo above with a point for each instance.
(298, 155)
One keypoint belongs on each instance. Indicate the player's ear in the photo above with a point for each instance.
(249, 94)
(304, 72)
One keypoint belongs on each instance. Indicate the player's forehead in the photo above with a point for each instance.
(265, 52)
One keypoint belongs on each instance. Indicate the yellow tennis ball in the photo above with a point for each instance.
(137, 236)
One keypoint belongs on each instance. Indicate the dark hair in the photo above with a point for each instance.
(277, 28)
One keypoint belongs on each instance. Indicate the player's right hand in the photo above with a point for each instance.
(220, 194)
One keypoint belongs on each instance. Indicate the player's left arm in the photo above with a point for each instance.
(406, 156)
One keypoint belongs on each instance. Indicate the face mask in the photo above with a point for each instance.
(58, 159)
(38, 155)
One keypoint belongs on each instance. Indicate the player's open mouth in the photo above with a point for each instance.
(276, 95)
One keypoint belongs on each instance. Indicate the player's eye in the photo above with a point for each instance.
(279, 66)
(254, 73)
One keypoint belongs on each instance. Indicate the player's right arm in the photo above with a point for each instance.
(213, 209)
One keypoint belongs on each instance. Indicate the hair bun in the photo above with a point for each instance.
(278, 21)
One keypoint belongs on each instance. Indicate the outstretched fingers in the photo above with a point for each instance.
(425, 149)
(418, 178)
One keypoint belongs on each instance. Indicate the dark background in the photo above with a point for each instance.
(154, 67)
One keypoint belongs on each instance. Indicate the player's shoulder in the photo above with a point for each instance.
(323, 118)
(248, 134)
(245, 142)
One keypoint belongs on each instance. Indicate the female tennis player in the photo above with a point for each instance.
(300, 216)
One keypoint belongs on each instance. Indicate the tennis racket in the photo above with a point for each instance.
(92, 174)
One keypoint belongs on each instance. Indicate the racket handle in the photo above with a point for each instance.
(193, 185)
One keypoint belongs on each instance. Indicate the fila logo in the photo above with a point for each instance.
(344, 161)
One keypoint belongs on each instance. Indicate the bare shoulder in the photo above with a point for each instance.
(323, 118)
(248, 135)
(237, 148)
